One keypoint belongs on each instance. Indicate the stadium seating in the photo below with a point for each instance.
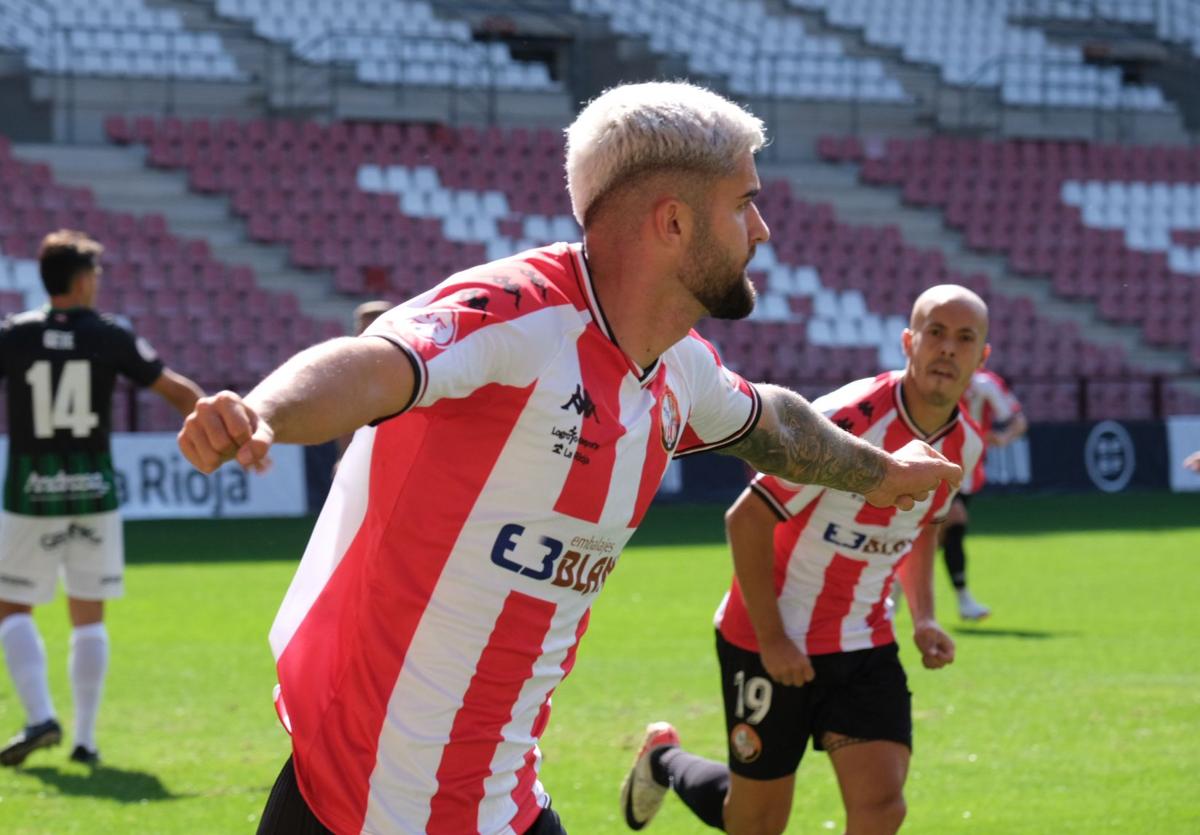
(392, 209)
(389, 42)
(125, 38)
(759, 52)
(1116, 225)
(972, 43)
(206, 318)
(1176, 21)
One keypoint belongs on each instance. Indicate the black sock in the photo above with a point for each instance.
(956, 557)
(701, 784)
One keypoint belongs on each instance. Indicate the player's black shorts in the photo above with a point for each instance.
(862, 694)
(965, 498)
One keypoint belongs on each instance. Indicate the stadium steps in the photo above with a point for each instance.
(249, 52)
(861, 205)
(120, 181)
(937, 102)
(948, 107)
(289, 86)
(284, 83)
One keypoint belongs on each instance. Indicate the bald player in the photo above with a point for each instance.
(804, 636)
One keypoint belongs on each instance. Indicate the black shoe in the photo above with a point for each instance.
(85, 756)
(41, 735)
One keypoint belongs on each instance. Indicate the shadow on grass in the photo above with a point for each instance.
(121, 785)
(1024, 634)
(216, 540)
(262, 540)
(1028, 515)
(682, 524)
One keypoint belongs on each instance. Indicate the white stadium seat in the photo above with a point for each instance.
(975, 43)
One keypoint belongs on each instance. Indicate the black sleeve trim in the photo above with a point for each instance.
(421, 374)
(747, 428)
(773, 503)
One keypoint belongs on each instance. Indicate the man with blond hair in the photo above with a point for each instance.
(60, 515)
(518, 419)
(804, 637)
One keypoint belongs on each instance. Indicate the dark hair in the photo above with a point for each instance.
(64, 255)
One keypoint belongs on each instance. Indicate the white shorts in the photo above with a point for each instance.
(88, 550)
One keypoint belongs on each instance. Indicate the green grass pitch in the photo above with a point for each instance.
(1075, 708)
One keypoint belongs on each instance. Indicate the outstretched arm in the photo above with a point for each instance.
(796, 442)
(178, 390)
(325, 391)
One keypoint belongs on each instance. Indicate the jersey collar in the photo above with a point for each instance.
(597, 313)
(902, 410)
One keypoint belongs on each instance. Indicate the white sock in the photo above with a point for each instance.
(88, 664)
(26, 657)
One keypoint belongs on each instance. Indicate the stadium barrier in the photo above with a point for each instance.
(154, 481)
(1109, 456)
(1183, 438)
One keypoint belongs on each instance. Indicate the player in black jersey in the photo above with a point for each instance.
(60, 516)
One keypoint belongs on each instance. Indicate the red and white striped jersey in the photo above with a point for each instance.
(835, 555)
(988, 401)
(448, 580)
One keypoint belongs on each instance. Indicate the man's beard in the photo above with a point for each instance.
(719, 284)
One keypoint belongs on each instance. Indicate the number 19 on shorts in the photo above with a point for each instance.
(753, 697)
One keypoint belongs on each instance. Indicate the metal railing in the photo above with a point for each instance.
(323, 68)
(980, 103)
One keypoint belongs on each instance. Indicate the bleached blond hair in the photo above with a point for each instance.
(637, 129)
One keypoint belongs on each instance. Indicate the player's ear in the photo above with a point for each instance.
(906, 338)
(673, 220)
(987, 352)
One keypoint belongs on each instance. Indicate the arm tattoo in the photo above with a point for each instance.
(807, 448)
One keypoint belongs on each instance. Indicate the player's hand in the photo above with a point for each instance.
(914, 472)
(1192, 462)
(222, 427)
(937, 648)
(785, 662)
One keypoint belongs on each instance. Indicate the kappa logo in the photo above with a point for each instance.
(478, 301)
(536, 280)
(671, 421)
(436, 326)
(582, 403)
(50, 541)
(511, 287)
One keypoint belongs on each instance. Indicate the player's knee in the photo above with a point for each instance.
(762, 819)
(885, 812)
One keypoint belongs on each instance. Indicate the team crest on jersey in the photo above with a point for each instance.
(745, 743)
(670, 420)
(437, 326)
